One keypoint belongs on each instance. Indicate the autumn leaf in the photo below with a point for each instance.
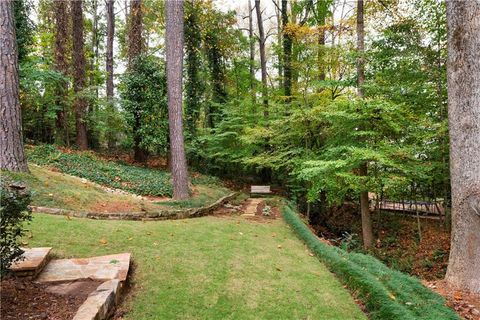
(103, 241)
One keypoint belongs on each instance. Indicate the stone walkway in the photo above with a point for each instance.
(251, 208)
(97, 268)
(71, 275)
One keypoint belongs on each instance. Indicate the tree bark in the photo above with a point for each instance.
(463, 66)
(367, 233)
(252, 52)
(95, 42)
(174, 48)
(364, 203)
(135, 40)
(263, 59)
(109, 51)
(79, 79)
(135, 48)
(61, 65)
(12, 155)
(287, 53)
(360, 49)
(321, 15)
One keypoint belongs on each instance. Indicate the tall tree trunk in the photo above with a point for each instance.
(135, 40)
(109, 51)
(135, 48)
(174, 47)
(79, 79)
(60, 56)
(364, 203)
(321, 15)
(278, 16)
(263, 59)
(252, 52)
(287, 53)
(95, 42)
(12, 155)
(464, 123)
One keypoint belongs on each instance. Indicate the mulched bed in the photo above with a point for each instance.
(466, 304)
(24, 299)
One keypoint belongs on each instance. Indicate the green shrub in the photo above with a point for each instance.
(387, 294)
(14, 201)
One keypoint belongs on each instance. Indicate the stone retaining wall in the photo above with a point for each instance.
(144, 216)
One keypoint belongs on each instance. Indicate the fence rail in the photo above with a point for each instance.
(421, 207)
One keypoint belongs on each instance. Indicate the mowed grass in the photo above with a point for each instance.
(59, 190)
(207, 268)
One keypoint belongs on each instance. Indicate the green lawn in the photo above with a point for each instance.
(59, 190)
(207, 268)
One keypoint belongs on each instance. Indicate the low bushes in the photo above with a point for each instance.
(387, 294)
(14, 201)
(142, 181)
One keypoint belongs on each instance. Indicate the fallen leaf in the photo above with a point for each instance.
(50, 194)
(103, 241)
(392, 296)
(311, 254)
(279, 246)
(278, 269)
(130, 238)
(24, 243)
(240, 233)
(149, 233)
(155, 243)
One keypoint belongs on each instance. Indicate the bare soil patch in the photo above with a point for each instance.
(25, 299)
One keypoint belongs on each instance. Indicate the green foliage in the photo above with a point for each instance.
(142, 181)
(143, 90)
(194, 84)
(14, 212)
(372, 132)
(387, 294)
(24, 27)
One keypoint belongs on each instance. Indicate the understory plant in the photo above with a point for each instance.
(14, 211)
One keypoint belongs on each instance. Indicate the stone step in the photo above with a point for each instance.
(33, 262)
(96, 268)
(251, 207)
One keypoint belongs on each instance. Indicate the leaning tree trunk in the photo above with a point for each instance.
(109, 53)
(12, 155)
(60, 63)
(263, 59)
(79, 64)
(464, 124)
(174, 46)
(364, 204)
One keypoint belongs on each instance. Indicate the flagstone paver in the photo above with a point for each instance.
(34, 259)
(98, 268)
(100, 302)
(251, 208)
